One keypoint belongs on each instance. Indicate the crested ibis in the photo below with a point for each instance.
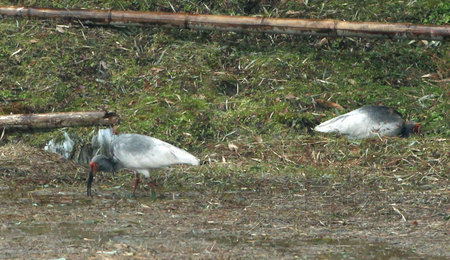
(369, 121)
(64, 148)
(139, 153)
(101, 142)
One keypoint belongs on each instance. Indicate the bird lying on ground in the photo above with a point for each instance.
(139, 153)
(369, 121)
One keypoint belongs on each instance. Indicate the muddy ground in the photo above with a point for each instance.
(46, 214)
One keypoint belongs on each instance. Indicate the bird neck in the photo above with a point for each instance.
(408, 129)
(108, 164)
(115, 165)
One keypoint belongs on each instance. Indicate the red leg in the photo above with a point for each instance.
(136, 183)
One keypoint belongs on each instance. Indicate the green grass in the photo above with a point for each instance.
(206, 91)
(194, 88)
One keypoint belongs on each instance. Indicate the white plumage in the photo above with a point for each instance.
(64, 148)
(367, 122)
(102, 141)
(142, 153)
(139, 153)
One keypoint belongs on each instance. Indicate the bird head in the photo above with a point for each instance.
(94, 166)
(102, 163)
(416, 129)
(410, 128)
(98, 163)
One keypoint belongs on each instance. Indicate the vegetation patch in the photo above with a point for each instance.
(245, 104)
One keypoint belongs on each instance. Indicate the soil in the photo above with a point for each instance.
(46, 214)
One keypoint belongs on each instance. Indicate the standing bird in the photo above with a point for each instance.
(369, 121)
(139, 153)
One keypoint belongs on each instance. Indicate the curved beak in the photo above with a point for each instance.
(90, 178)
(89, 182)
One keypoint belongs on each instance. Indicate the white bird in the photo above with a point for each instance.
(102, 141)
(369, 121)
(64, 148)
(139, 153)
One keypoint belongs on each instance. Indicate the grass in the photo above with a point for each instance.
(198, 89)
(206, 91)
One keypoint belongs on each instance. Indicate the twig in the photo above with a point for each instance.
(398, 211)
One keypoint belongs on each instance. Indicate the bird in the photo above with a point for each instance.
(139, 153)
(102, 141)
(369, 121)
(64, 147)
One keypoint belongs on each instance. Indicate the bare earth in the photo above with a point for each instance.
(45, 213)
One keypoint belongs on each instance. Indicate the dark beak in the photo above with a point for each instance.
(89, 183)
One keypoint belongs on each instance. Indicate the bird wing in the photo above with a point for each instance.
(144, 152)
(101, 143)
(343, 124)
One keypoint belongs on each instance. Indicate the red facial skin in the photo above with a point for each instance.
(416, 129)
(94, 166)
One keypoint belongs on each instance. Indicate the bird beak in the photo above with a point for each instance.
(90, 179)
(89, 183)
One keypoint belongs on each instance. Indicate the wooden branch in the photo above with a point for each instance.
(241, 23)
(55, 120)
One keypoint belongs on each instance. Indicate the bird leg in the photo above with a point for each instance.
(136, 183)
(152, 185)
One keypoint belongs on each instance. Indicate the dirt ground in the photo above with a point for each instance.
(45, 213)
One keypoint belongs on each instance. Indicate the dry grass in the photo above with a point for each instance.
(321, 197)
(245, 104)
(24, 164)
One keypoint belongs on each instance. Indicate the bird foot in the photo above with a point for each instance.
(154, 194)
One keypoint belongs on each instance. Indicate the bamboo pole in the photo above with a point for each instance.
(241, 23)
(55, 120)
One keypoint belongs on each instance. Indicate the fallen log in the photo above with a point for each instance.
(56, 120)
(333, 28)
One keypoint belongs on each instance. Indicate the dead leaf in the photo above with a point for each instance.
(169, 102)
(290, 96)
(60, 28)
(431, 76)
(115, 130)
(329, 104)
(232, 147)
(352, 82)
(103, 65)
(156, 69)
(322, 42)
(291, 12)
(147, 86)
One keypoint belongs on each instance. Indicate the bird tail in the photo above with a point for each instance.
(332, 125)
(185, 157)
(195, 161)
